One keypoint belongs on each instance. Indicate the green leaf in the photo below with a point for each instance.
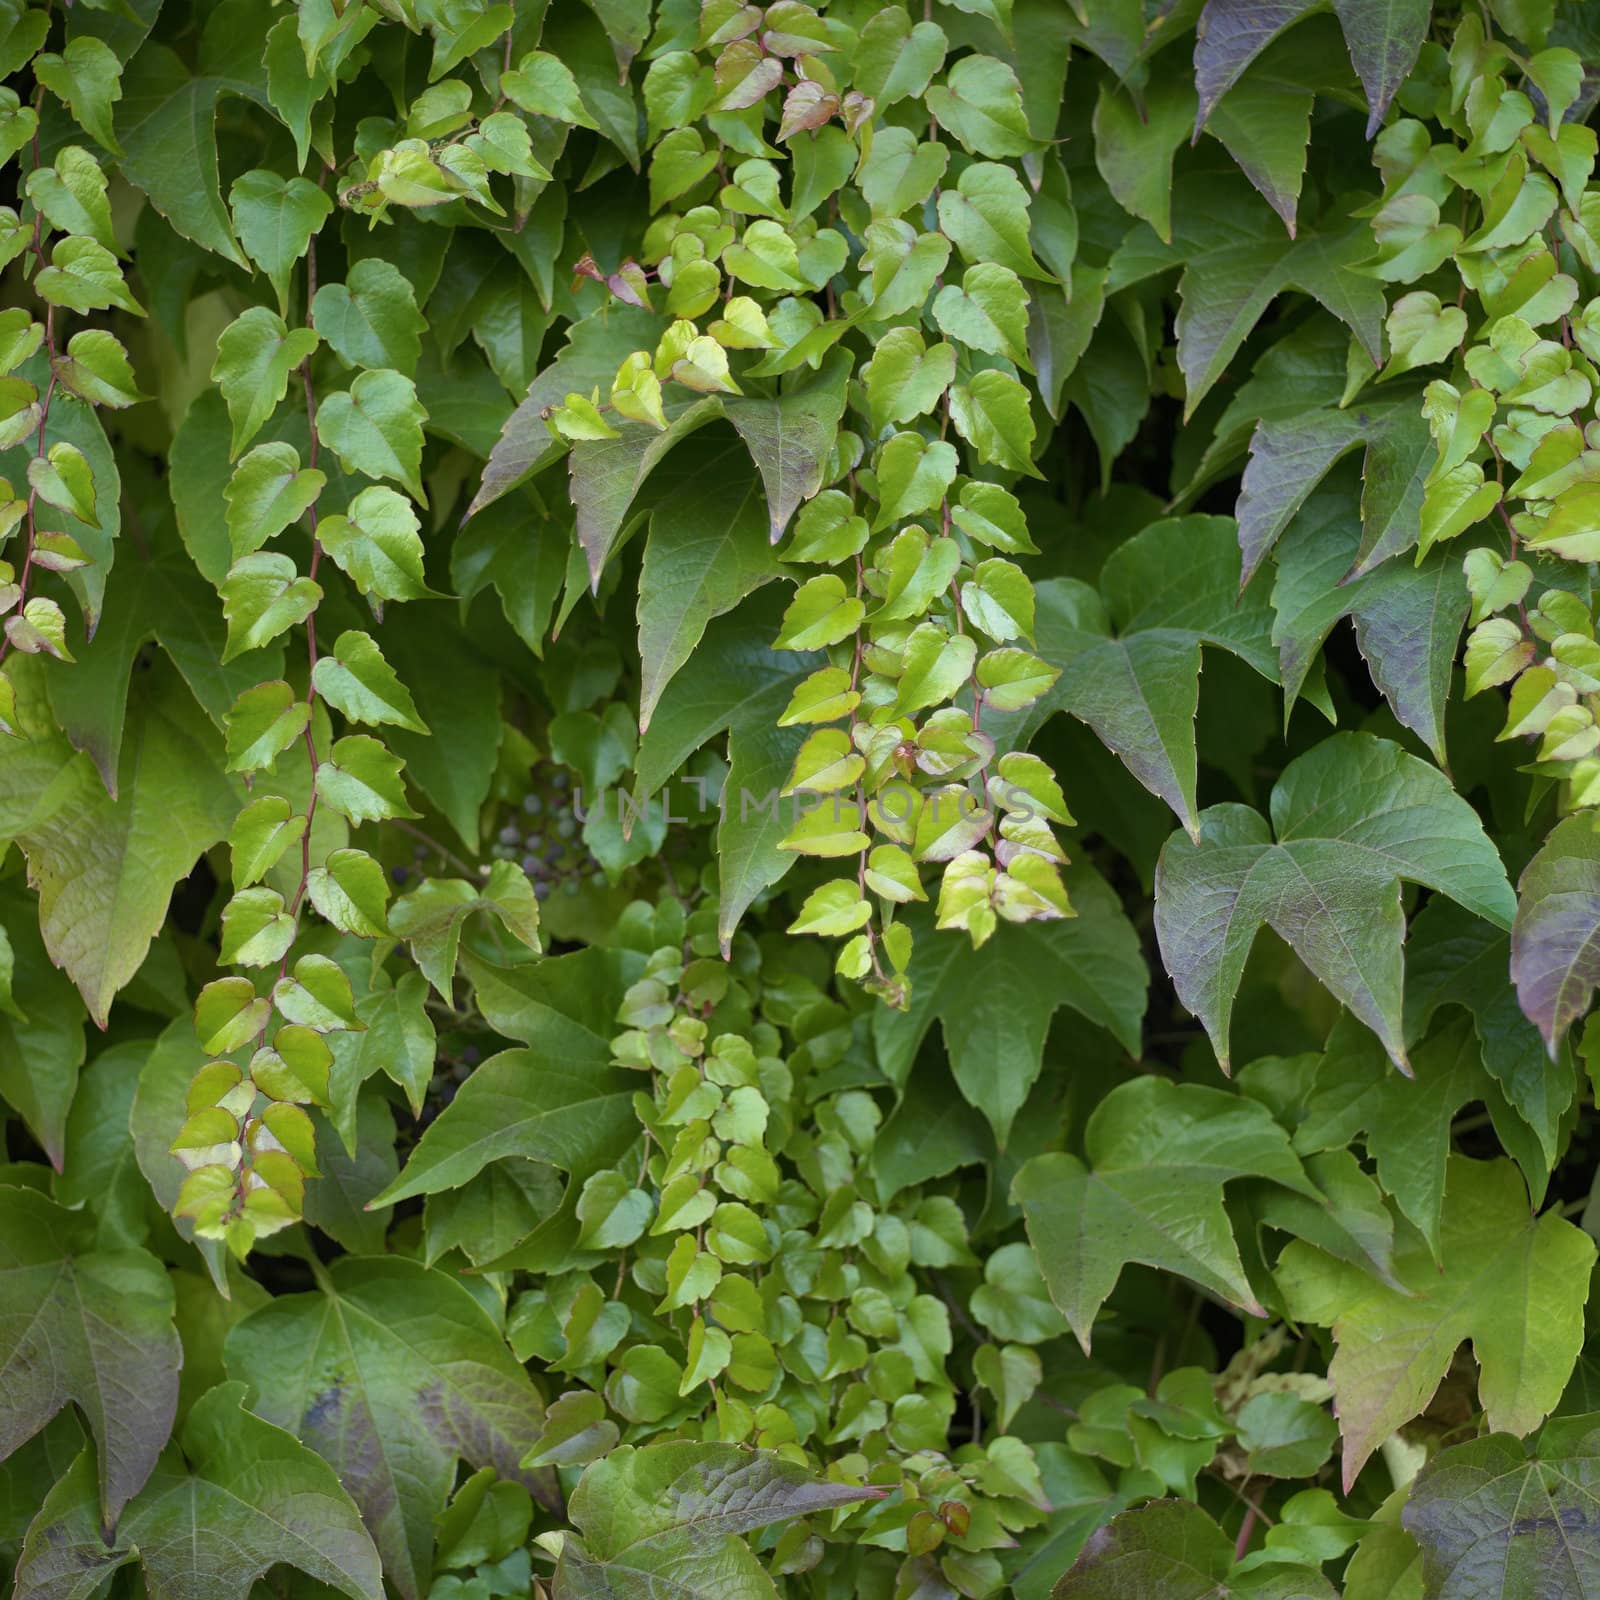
(1172, 1548)
(1285, 1436)
(361, 780)
(674, 1512)
(264, 595)
(377, 543)
(1167, 591)
(91, 1327)
(391, 1373)
(1512, 1283)
(278, 1502)
(72, 195)
(96, 368)
(84, 276)
(1158, 1155)
(1291, 455)
(516, 1104)
(899, 172)
(905, 380)
(276, 218)
(371, 320)
(980, 102)
(1493, 1518)
(1461, 960)
(264, 722)
(738, 682)
(64, 479)
(1134, 144)
(87, 76)
(790, 438)
(896, 59)
(357, 681)
(375, 428)
(605, 474)
(986, 218)
(905, 265)
(992, 414)
(988, 312)
(704, 554)
(1264, 120)
(544, 85)
(266, 494)
(40, 1052)
(913, 476)
(255, 356)
(431, 916)
(1351, 816)
(1236, 262)
(256, 930)
(995, 1007)
(576, 1431)
(1382, 36)
(166, 122)
(105, 867)
(1408, 616)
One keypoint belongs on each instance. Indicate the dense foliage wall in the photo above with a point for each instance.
(799, 801)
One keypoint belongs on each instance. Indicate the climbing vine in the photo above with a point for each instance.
(798, 799)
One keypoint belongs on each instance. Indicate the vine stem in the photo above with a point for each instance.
(311, 618)
(37, 247)
(861, 788)
(1247, 1526)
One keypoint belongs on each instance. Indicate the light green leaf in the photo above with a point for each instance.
(375, 427)
(264, 721)
(96, 368)
(72, 196)
(361, 780)
(986, 217)
(84, 276)
(264, 595)
(357, 681)
(378, 544)
(1512, 1283)
(255, 356)
(276, 218)
(991, 413)
(980, 102)
(371, 320)
(988, 312)
(88, 76)
(266, 494)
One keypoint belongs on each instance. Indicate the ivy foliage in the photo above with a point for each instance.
(701, 895)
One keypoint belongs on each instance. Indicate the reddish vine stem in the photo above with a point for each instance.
(311, 618)
(30, 535)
